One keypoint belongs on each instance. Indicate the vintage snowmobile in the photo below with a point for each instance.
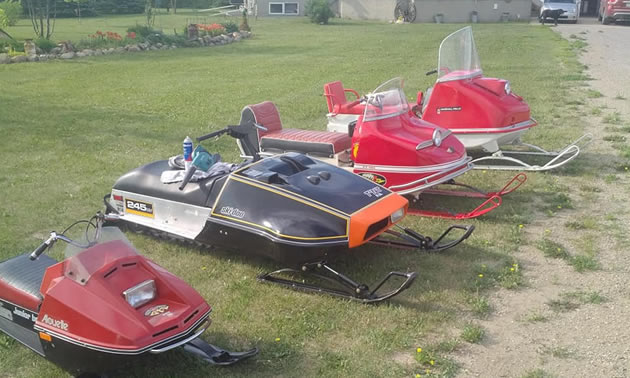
(387, 144)
(290, 208)
(482, 112)
(103, 307)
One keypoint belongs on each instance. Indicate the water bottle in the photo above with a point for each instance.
(188, 149)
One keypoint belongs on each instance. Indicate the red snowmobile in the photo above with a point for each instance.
(386, 144)
(482, 112)
(103, 307)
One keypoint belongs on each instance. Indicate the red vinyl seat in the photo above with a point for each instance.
(336, 99)
(305, 141)
(21, 278)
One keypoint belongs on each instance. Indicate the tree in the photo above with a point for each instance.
(173, 5)
(4, 20)
(149, 12)
(78, 3)
(43, 14)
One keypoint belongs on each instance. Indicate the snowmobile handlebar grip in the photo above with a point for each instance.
(431, 72)
(42, 247)
(212, 134)
(189, 175)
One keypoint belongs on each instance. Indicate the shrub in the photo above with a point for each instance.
(230, 26)
(7, 45)
(12, 10)
(45, 44)
(142, 30)
(212, 30)
(319, 11)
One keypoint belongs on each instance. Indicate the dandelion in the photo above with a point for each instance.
(559, 249)
(277, 339)
(547, 231)
(203, 268)
(520, 226)
(419, 350)
(480, 275)
(432, 362)
(559, 207)
(428, 371)
(483, 266)
(484, 171)
(626, 168)
(512, 269)
(418, 375)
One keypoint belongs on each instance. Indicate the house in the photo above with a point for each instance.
(280, 7)
(451, 10)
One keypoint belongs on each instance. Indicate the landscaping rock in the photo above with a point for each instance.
(43, 58)
(80, 54)
(98, 52)
(153, 48)
(19, 59)
(4, 59)
(32, 58)
(119, 50)
(158, 45)
(66, 47)
(56, 50)
(68, 55)
(134, 48)
(52, 56)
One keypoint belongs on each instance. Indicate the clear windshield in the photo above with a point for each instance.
(81, 263)
(388, 100)
(458, 57)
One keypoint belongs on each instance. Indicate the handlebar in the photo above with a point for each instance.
(100, 219)
(228, 130)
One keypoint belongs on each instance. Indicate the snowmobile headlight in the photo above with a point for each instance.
(398, 215)
(140, 294)
(508, 88)
(437, 138)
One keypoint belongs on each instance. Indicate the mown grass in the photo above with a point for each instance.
(71, 128)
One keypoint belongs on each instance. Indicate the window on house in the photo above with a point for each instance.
(284, 8)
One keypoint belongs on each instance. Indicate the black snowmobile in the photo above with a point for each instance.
(294, 209)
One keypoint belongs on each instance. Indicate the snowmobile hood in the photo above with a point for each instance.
(85, 302)
(333, 187)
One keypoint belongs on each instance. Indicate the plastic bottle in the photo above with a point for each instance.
(188, 149)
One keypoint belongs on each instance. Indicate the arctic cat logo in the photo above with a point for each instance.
(55, 323)
(232, 211)
(139, 208)
(156, 310)
(381, 180)
(374, 192)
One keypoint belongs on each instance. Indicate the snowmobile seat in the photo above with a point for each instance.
(146, 181)
(21, 278)
(336, 99)
(276, 138)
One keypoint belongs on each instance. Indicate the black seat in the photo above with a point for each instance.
(146, 181)
(24, 274)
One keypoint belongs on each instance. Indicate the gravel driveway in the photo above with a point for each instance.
(526, 337)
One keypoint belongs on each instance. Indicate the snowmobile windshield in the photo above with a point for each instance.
(388, 100)
(82, 263)
(458, 57)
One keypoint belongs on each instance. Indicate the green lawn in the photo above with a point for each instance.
(70, 128)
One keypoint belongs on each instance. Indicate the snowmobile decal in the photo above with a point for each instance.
(144, 209)
(322, 224)
(374, 177)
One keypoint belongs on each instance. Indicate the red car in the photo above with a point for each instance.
(613, 11)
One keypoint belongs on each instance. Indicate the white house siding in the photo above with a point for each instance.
(453, 10)
(263, 7)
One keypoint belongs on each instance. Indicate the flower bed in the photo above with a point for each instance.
(106, 43)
